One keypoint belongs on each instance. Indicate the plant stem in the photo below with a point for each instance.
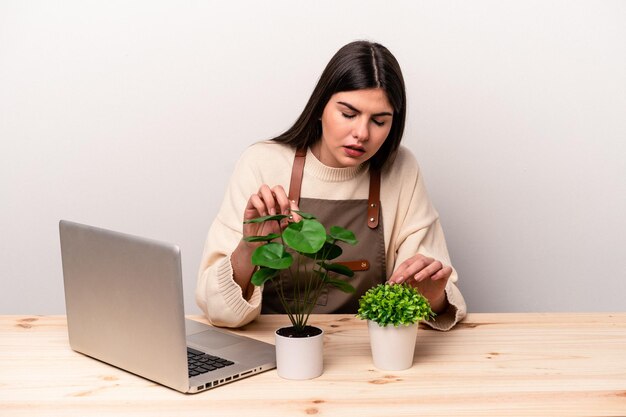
(320, 282)
(280, 289)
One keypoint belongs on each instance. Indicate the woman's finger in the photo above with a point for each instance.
(294, 206)
(428, 271)
(443, 273)
(418, 263)
(410, 267)
(255, 207)
(266, 194)
(399, 275)
(281, 199)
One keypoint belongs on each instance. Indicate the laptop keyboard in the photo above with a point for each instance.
(201, 363)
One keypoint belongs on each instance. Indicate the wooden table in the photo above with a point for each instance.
(491, 364)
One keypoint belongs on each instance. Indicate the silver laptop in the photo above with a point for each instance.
(124, 303)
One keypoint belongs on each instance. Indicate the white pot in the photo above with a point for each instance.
(300, 357)
(392, 347)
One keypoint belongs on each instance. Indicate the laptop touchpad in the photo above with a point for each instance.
(213, 340)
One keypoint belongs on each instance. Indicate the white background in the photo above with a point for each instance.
(131, 115)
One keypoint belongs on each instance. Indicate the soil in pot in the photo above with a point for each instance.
(309, 331)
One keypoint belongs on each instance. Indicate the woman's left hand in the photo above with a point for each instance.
(428, 275)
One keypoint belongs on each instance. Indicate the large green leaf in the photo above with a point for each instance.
(343, 235)
(265, 238)
(338, 268)
(272, 255)
(331, 250)
(306, 236)
(341, 285)
(262, 275)
(267, 218)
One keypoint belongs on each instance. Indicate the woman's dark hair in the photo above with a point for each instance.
(356, 66)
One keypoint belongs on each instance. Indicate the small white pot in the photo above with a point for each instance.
(300, 357)
(392, 347)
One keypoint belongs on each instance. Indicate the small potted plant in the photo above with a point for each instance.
(283, 259)
(393, 312)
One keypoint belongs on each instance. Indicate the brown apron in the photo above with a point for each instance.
(366, 259)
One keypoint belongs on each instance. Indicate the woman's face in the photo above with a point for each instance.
(355, 125)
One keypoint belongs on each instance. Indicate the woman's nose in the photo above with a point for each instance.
(360, 130)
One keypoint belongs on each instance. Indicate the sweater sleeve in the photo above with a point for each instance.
(420, 232)
(217, 294)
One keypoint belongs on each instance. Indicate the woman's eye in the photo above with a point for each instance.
(377, 123)
(348, 116)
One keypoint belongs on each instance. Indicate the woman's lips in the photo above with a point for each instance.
(354, 151)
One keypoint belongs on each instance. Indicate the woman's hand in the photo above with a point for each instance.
(267, 201)
(428, 275)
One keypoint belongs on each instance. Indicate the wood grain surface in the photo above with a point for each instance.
(489, 365)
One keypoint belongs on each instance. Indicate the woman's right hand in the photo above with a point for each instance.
(268, 202)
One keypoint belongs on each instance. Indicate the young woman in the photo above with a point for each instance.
(343, 162)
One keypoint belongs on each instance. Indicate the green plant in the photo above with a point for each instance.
(397, 304)
(306, 238)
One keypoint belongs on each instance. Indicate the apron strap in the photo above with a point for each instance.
(373, 201)
(296, 175)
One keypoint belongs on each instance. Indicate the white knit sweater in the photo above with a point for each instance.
(411, 224)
